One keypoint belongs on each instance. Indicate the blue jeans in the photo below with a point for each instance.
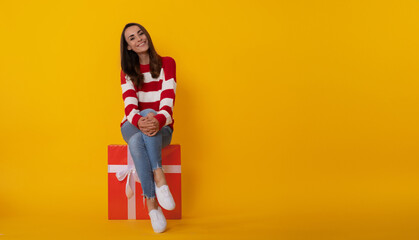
(146, 151)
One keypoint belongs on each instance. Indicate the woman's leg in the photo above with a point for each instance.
(154, 146)
(159, 177)
(133, 137)
(146, 153)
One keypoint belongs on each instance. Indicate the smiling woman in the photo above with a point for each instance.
(137, 48)
(148, 84)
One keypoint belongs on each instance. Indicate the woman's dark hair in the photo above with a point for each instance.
(130, 62)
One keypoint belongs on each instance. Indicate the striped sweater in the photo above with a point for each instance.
(156, 93)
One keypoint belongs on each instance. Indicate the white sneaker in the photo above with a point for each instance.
(158, 221)
(165, 197)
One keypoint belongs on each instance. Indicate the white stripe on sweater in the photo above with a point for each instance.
(166, 102)
(130, 100)
(167, 115)
(148, 78)
(169, 84)
(153, 96)
(131, 115)
(127, 86)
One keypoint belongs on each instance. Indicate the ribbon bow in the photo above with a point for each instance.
(126, 173)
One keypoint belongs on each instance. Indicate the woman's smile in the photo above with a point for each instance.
(141, 44)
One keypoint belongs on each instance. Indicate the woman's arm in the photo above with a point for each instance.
(130, 100)
(167, 97)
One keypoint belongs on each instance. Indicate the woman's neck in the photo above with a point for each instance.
(144, 58)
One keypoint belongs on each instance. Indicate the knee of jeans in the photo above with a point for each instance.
(147, 111)
(136, 139)
(155, 136)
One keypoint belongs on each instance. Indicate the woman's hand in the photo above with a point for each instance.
(155, 124)
(145, 126)
(149, 125)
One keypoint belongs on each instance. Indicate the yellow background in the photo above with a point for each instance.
(297, 119)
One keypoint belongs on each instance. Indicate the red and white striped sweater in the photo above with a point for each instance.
(156, 93)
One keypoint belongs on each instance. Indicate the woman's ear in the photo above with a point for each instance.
(129, 48)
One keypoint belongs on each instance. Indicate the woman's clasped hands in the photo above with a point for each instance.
(149, 124)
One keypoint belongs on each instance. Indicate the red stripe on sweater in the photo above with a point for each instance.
(129, 108)
(129, 93)
(152, 86)
(168, 109)
(169, 93)
(169, 66)
(152, 105)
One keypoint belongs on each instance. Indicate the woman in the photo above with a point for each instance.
(148, 84)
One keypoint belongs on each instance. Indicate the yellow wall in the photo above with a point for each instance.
(283, 107)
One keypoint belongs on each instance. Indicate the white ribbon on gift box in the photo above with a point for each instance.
(125, 171)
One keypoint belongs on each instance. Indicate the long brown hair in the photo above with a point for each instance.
(130, 62)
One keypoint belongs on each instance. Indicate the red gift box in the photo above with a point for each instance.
(125, 200)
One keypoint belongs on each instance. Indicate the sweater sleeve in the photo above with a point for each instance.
(130, 100)
(167, 97)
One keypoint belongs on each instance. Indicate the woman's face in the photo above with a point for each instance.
(136, 39)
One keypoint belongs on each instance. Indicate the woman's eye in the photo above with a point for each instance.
(141, 33)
